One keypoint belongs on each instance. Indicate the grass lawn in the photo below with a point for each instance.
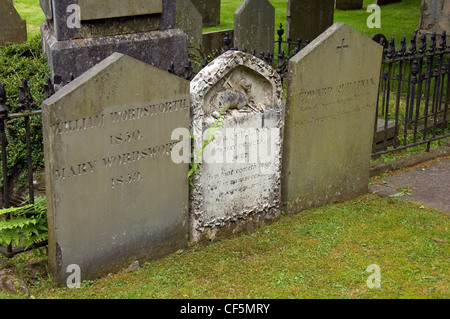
(321, 253)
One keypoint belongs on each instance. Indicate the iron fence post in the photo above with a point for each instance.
(25, 104)
(3, 141)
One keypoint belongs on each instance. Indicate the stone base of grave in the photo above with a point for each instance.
(243, 225)
(76, 56)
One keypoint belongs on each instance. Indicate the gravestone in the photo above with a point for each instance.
(13, 28)
(210, 11)
(254, 26)
(434, 17)
(142, 29)
(46, 6)
(214, 41)
(384, 2)
(114, 195)
(349, 4)
(330, 114)
(236, 186)
(190, 21)
(307, 19)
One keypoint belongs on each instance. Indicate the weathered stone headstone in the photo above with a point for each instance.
(13, 28)
(77, 39)
(95, 10)
(330, 114)
(254, 26)
(307, 19)
(214, 41)
(190, 21)
(210, 11)
(349, 4)
(46, 6)
(384, 2)
(114, 195)
(434, 17)
(236, 186)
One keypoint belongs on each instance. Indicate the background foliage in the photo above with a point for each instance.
(18, 61)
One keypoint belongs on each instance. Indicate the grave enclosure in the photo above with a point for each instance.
(118, 146)
(117, 162)
(13, 27)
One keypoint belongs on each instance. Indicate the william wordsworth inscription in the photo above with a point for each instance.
(117, 139)
(114, 194)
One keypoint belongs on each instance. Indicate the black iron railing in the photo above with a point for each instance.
(26, 107)
(414, 90)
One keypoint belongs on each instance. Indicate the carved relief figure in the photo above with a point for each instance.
(236, 97)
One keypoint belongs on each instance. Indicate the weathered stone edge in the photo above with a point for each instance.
(382, 167)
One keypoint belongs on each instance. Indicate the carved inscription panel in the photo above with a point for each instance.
(93, 10)
(236, 105)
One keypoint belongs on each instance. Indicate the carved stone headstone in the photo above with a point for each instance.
(236, 124)
(95, 10)
(254, 26)
(46, 6)
(210, 11)
(114, 195)
(349, 4)
(82, 33)
(434, 17)
(213, 42)
(307, 19)
(384, 2)
(330, 119)
(13, 28)
(190, 21)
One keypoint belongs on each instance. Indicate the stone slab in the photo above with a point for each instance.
(13, 28)
(236, 186)
(213, 42)
(189, 20)
(77, 56)
(427, 184)
(434, 16)
(349, 4)
(384, 2)
(307, 19)
(210, 11)
(254, 26)
(114, 195)
(94, 10)
(46, 6)
(330, 117)
(110, 26)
